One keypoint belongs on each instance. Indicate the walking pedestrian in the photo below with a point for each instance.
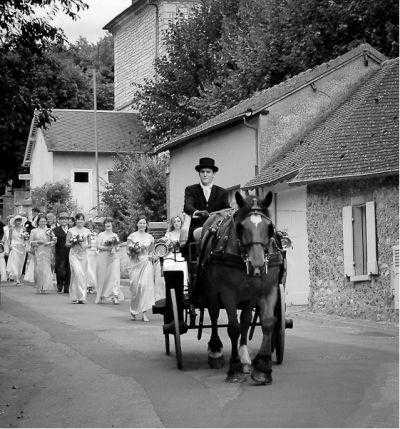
(3, 272)
(108, 266)
(140, 245)
(92, 255)
(42, 240)
(17, 241)
(61, 251)
(78, 239)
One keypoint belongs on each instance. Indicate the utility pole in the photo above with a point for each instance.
(96, 144)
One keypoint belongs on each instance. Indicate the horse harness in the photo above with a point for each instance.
(216, 239)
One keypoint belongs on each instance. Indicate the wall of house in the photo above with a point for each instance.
(135, 47)
(331, 291)
(233, 150)
(288, 212)
(66, 163)
(292, 116)
(41, 167)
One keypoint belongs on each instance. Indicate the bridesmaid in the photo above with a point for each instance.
(92, 256)
(140, 246)
(17, 243)
(42, 240)
(108, 266)
(78, 238)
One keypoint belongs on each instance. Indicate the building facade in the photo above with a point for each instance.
(138, 34)
(65, 151)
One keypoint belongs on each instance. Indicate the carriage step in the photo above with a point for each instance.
(169, 328)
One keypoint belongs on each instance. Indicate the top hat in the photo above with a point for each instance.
(206, 163)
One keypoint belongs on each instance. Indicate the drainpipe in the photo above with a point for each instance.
(249, 114)
(157, 28)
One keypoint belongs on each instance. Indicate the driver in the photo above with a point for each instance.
(205, 197)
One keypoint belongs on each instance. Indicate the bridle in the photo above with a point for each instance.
(245, 247)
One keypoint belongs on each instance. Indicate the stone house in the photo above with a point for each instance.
(348, 166)
(65, 150)
(250, 134)
(138, 34)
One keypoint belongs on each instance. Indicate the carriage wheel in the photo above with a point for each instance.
(177, 337)
(280, 326)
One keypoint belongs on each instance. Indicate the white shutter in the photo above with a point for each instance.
(348, 241)
(372, 265)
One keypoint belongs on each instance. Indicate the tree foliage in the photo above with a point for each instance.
(228, 49)
(138, 189)
(55, 197)
(40, 70)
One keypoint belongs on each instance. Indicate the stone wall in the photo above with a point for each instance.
(330, 290)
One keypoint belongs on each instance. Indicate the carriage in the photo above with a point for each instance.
(181, 314)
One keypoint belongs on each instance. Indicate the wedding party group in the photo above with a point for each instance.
(84, 258)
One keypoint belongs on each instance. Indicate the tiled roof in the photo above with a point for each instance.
(262, 99)
(73, 131)
(360, 138)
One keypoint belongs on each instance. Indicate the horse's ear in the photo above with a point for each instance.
(239, 199)
(266, 202)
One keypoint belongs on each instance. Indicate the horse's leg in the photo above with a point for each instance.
(215, 354)
(245, 320)
(235, 374)
(262, 363)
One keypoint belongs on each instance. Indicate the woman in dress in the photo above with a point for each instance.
(140, 246)
(17, 243)
(108, 266)
(29, 273)
(78, 238)
(92, 256)
(3, 272)
(42, 241)
(173, 261)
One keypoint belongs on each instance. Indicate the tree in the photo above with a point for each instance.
(138, 189)
(55, 197)
(226, 50)
(41, 71)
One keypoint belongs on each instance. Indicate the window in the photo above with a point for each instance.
(81, 177)
(359, 241)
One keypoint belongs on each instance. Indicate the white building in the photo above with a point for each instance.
(65, 151)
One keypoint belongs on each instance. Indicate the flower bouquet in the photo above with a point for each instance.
(112, 243)
(285, 240)
(134, 249)
(76, 240)
(24, 235)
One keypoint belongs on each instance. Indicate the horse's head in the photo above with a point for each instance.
(254, 229)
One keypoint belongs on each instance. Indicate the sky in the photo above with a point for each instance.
(92, 20)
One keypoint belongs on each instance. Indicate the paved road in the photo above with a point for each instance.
(90, 366)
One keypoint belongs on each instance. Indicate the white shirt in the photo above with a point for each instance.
(206, 190)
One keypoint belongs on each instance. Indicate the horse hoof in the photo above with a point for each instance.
(216, 363)
(260, 378)
(246, 368)
(235, 378)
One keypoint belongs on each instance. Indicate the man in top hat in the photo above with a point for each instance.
(205, 197)
(61, 251)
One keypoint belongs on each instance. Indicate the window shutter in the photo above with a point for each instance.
(372, 265)
(348, 241)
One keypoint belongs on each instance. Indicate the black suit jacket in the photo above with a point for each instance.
(195, 200)
(60, 248)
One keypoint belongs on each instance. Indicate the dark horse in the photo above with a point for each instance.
(234, 274)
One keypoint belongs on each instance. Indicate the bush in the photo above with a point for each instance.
(138, 189)
(55, 197)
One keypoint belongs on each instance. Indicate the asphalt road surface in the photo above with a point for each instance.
(65, 365)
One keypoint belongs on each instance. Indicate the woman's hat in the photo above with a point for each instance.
(206, 163)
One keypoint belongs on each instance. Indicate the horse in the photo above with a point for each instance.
(233, 274)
